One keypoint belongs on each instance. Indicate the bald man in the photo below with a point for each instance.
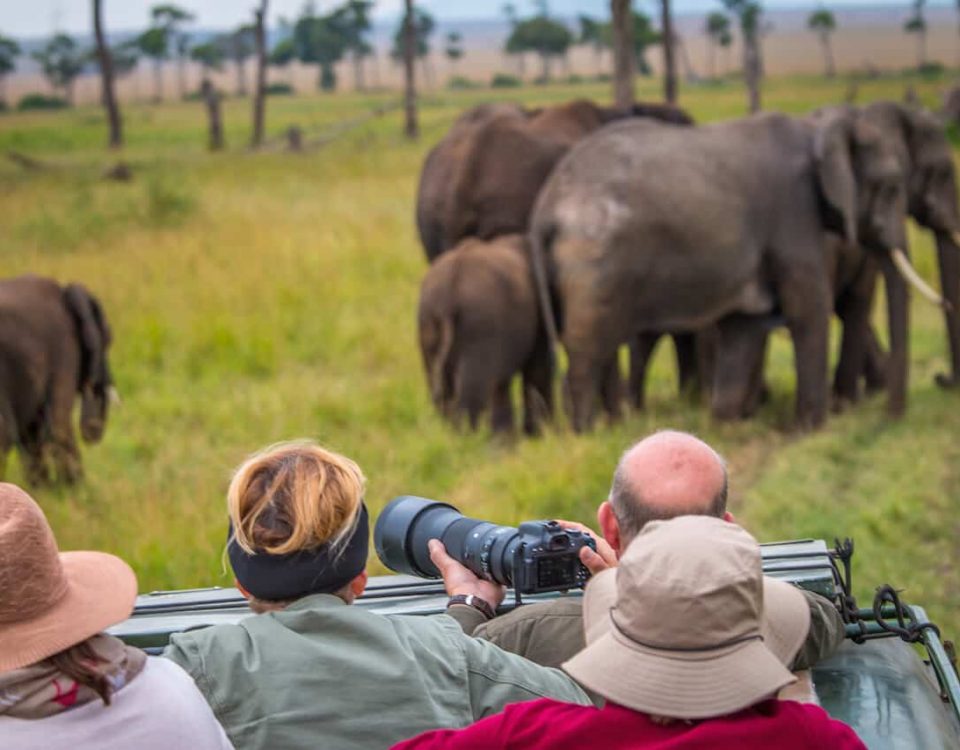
(666, 475)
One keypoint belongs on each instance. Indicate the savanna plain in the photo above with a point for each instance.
(257, 297)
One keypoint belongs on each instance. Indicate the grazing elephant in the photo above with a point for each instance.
(644, 227)
(440, 169)
(479, 325)
(482, 179)
(53, 345)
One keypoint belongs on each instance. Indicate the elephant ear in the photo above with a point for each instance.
(93, 334)
(833, 156)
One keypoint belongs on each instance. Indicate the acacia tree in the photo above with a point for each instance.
(171, 19)
(105, 63)
(352, 22)
(454, 49)
(543, 36)
(61, 61)
(624, 61)
(240, 46)
(9, 51)
(717, 29)
(210, 55)
(153, 44)
(260, 90)
(423, 27)
(409, 35)
(822, 23)
(596, 36)
(917, 24)
(749, 13)
(317, 40)
(282, 55)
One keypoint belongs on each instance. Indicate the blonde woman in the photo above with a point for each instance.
(64, 683)
(310, 671)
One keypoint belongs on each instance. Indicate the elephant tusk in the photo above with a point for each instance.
(902, 262)
(113, 395)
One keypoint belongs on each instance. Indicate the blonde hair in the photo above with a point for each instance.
(294, 496)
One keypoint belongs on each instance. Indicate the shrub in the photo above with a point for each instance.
(168, 201)
(931, 70)
(505, 81)
(602, 78)
(42, 101)
(280, 89)
(575, 78)
(460, 82)
(3, 106)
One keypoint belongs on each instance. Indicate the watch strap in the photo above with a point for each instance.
(471, 600)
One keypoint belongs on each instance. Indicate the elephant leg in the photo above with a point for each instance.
(538, 387)
(853, 350)
(33, 454)
(501, 409)
(742, 343)
(806, 304)
(688, 371)
(875, 363)
(472, 394)
(611, 388)
(707, 346)
(582, 386)
(948, 256)
(641, 350)
(63, 444)
(758, 393)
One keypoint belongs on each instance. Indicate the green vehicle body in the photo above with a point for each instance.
(896, 695)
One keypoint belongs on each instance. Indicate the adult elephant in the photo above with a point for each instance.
(479, 325)
(482, 179)
(729, 231)
(53, 345)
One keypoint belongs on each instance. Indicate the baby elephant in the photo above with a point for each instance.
(480, 325)
(53, 346)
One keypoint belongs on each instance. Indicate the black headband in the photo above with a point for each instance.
(321, 570)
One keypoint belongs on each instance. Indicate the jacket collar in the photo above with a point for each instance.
(315, 601)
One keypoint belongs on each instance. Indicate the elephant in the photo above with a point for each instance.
(482, 179)
(479, 325)
(925, 158)
(730, 232)
(53, 344)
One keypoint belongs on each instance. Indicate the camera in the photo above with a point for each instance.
(536, 557)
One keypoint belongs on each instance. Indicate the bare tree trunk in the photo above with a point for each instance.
(713, 60)
(922, 47)
(669, 55)
(624, 61)
(411, 128)
(829, 69)
(751, 70)
(358, 83)
(181, 77)
(260, 92)
(241, 79)
(157, 80)
(212, 101)
(545, 67)
(106, 79)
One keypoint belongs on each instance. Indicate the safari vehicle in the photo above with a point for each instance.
(894, 680)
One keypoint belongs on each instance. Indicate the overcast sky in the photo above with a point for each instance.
(30, 18)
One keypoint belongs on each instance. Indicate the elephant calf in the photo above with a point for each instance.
(53, 345)
(479, 325)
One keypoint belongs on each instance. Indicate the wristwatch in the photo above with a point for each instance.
(472, 600)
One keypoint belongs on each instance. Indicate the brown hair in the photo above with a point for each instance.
(294, 496)
(82, 664)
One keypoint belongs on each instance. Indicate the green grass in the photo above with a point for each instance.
(260, 297)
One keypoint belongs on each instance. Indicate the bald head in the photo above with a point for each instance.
(666, 475)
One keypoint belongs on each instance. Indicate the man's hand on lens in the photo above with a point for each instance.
(459, 580)
(595, 561)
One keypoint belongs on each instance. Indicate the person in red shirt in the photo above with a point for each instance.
(674, 646)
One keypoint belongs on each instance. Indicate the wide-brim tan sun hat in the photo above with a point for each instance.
(52, 600)
(656, 642)
(784, 627)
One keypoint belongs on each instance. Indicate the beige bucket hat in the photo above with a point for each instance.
(687, 626)
(51, 600)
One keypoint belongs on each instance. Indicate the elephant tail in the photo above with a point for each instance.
(437, 337)
(539, 238)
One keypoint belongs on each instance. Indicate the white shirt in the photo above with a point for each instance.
(160, 709)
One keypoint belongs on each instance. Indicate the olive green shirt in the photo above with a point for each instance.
(551, 632)
(322, 674)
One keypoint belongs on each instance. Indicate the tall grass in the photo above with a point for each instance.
(262, 296)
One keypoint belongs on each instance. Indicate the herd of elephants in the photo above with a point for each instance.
(596, 227)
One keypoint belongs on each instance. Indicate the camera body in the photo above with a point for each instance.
(537, 557)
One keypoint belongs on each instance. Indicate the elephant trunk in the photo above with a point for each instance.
(898, 318)
(948, 255)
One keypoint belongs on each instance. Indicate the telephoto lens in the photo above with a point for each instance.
(539, 556)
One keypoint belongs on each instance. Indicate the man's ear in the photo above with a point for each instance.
(242, 590)
(728, 517)
(609, 526)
